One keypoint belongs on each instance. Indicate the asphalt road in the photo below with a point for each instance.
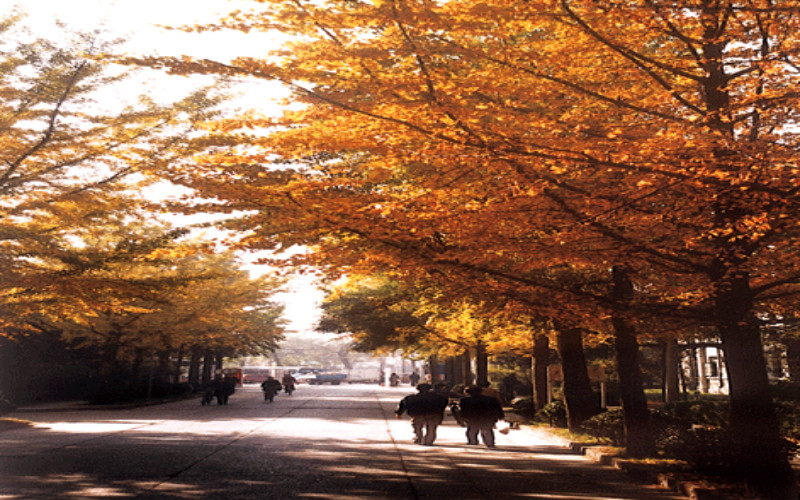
(323, 442)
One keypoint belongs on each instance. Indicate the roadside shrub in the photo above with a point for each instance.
(555, 413)
(608, 425)
(706, 413)
(789, 416)
(524, 406)
(717, 451)
(786, 390)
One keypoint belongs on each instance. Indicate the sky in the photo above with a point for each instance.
(139, 22)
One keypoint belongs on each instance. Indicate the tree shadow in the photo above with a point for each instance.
(154, 465)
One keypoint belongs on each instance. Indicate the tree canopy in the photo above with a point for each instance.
(82, 249)
(524, 150)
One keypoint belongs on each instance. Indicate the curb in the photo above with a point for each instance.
(614, 457)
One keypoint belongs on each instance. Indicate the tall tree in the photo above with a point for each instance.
(497, 141)
(67, 160)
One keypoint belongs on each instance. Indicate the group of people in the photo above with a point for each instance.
(479, 410)
(220, 388)
(271, 387)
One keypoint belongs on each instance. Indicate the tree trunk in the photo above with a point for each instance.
(178, 368)
(136, 367)
(753, 421)
(579, 399)
(450, 372)
(639, 438)
(671, 372)
(218, 358)
(793, 358)
(163, 371)
(481, 365)
(540, 362)
(208, 366)
(194, 367)
(434, 370)
(108, 366)
(466, 368)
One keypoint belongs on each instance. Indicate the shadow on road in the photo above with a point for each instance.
(330, 446)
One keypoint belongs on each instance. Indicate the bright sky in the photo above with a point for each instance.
(138, 21)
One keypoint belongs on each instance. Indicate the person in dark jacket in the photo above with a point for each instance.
(225, 388)
(271, 387)
(480, 413)
(426, 409)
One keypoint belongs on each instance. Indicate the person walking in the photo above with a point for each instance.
(225, 388)
(288, 383)
(480, 413)
(426, 409)
(271, 387)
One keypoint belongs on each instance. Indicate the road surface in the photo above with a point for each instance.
(323, 442)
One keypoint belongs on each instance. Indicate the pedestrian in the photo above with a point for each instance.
(225, 388)
(413, 379)
(288, 383)
(480, 413)
(209, 392)
(426, 409)
(394, 380)
(271, 387)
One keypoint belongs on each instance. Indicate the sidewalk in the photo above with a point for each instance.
(691, 486)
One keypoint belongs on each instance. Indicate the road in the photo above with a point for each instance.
(323, 442)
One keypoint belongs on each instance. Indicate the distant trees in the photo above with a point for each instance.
(80, 253)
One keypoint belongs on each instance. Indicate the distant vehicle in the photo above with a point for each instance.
(363, 373)
(256, 374)
(328, 378)
(304, 378)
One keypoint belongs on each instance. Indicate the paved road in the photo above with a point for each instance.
(324, 442)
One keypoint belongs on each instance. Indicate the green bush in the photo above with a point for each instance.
(555, 413)
(789, 417)
(608, 426)
(785, 390)
(707, 413)
(524, 406)
(717, 451)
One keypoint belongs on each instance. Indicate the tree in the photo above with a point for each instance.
(67, 161)
(81, 256)
(496, 142)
